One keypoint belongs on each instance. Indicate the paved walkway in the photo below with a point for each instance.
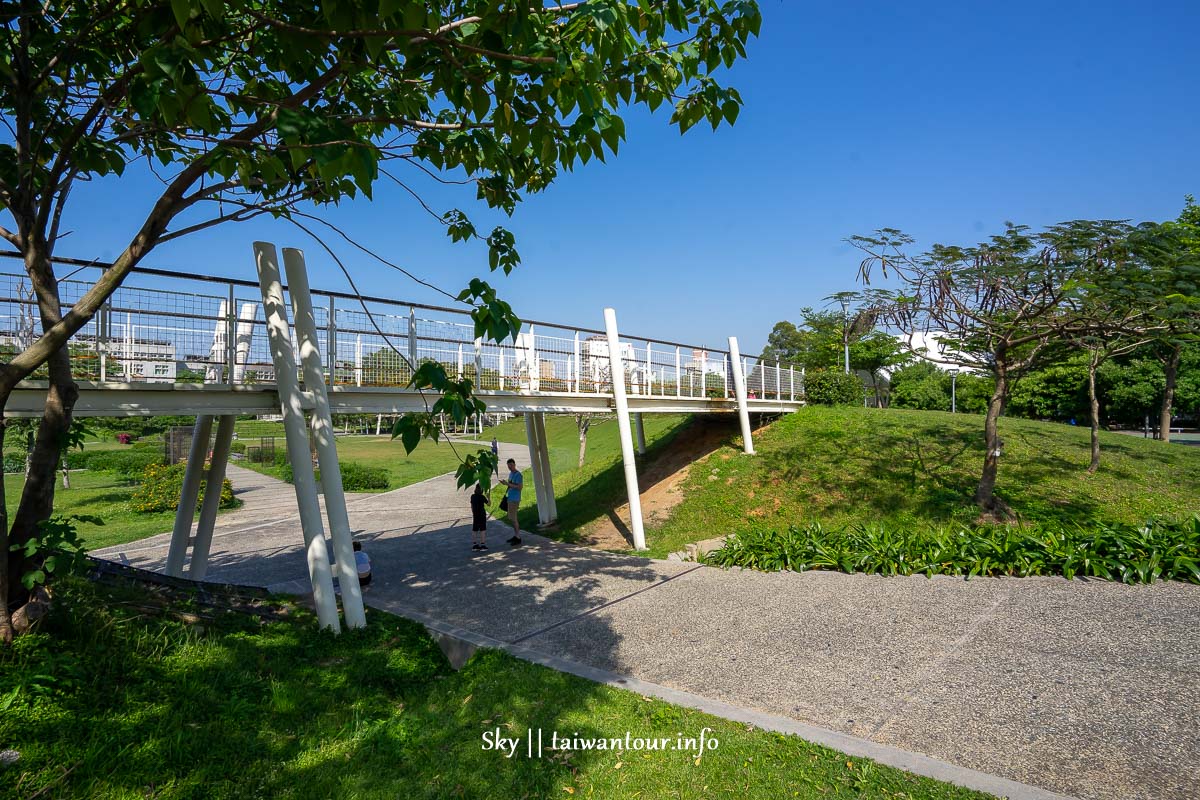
(1087, 688)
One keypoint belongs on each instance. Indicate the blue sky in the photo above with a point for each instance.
(943, 119)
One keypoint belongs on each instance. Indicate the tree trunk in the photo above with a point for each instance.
(6, 629)
(985, 493)
(584, 423)
(1094, 405)
(37, 496)
(1171, 370)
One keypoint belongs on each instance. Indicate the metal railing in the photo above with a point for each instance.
(167, 327)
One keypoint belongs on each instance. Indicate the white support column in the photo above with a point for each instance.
(778, 384)
(535, 459)
(792, 382)
(198, 564)
(379, 425)
(618, 376)
(725, 375)
(539, 424)
(500, 350)
(186, 512)
(290, 400)
(641, 434)
(322, 433)
(739, 388)
(460, 363)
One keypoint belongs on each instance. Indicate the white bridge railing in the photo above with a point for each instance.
(169, 327)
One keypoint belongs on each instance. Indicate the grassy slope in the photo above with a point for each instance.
(234, 710)
(584, 494)
(854, 465)
(428, 460)
(103, 495)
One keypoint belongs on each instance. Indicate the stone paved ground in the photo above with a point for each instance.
(1087, 688)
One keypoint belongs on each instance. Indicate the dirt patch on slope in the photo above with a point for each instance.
(659, 481)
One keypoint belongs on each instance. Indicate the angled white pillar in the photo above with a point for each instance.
(186, 512)
(641, 434)
(305, 483)
(575, 353)
(539, 423)
(622, 403)
(322, 433)
(739, 388)
(535, 464)
(198, 564)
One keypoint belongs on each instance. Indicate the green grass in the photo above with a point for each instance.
(103, 495)
(585, 494)
(109, 701)
(428, 460)
(900, 469)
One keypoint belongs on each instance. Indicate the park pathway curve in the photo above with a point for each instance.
(1085, 688)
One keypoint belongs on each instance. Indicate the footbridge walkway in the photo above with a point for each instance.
(174, 343)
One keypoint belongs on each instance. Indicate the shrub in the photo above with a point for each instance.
(237, 447)
(355, 477)
(14, 462)
(162, 485)
(1160, 549)
(827, 388)
(122, 462)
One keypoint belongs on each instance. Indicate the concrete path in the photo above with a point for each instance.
(1086, 688)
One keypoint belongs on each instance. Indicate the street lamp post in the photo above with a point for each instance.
(846, 334)
(953, 390)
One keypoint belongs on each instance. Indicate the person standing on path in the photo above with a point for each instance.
(512, 499)
(479, 502)
(496, 453)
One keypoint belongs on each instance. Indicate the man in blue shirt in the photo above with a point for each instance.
(514, 483)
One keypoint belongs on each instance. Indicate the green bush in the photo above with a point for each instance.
(827, 388)
(355, 477)
(14, 462)
(122, 462)
(162, 485)
(1158, 550)
(237, 447)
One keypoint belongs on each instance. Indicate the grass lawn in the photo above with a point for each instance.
(428, 460)
(103, 495)
(229, 708)
(587, 493)
(843, 466)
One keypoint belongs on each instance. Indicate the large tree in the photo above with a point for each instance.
(252, 107)
(996, 306)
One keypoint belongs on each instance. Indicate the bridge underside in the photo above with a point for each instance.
(148, 399)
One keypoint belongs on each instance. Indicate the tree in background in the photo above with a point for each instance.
(247, 108)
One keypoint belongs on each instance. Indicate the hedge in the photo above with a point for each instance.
(826, 388)
(355, 477)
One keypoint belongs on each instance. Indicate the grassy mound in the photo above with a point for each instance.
(584, 494)
(107, 701)
(908, 469)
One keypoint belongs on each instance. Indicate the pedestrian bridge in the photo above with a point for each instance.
(173, 343)
(167, 342)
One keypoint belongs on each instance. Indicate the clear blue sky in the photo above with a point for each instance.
(943, 119)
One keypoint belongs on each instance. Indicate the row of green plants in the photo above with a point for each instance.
(1158, 550)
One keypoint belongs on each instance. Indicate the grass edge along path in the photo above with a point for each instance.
(184, 704)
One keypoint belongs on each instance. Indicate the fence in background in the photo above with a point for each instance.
(166, 327)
